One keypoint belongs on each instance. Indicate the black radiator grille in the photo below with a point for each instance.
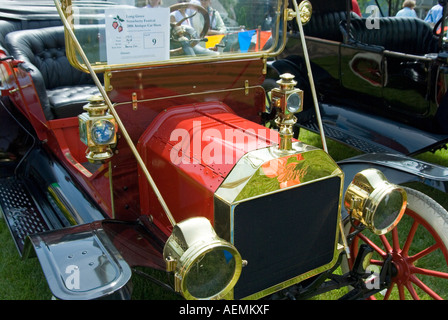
(286, 234)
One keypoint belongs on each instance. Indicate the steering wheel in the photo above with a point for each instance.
(182, 33)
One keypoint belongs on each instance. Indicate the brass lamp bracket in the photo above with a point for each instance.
(289, 100)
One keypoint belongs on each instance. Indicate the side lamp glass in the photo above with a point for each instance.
(374, 201)
(204, 265)
(97, 130)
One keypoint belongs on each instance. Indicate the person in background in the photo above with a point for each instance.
(153, 3)
(434, 14)
(184, 14)
(408, 9)
(216, 23)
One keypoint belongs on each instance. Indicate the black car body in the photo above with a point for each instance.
(380, 81)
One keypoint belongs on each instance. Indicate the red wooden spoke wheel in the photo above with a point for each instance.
(419, 250)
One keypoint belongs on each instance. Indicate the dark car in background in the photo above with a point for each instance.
(380, 80)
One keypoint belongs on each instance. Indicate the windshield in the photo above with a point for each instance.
(123, 32)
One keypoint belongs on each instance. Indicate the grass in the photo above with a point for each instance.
(422, 239)
(24, 279)
(19, 279)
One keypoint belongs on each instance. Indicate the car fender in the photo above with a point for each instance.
(277, 67)
(398, 169)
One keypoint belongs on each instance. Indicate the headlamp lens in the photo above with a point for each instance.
(388, 210)
(210, 273)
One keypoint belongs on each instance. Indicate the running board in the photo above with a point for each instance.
(20, 211)
(82, 263)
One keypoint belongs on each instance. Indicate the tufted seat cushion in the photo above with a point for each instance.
(10, 25)
(62, 89)
(68, 101)
(326, 25)
(401, 34)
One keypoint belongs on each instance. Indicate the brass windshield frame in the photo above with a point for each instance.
(274, 50)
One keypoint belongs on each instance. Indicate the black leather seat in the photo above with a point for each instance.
(406, 35)
(326, 25)
(62, 89)
(10, 25)
(5, 28)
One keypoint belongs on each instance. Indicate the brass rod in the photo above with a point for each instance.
(114, 113)
(310, 76)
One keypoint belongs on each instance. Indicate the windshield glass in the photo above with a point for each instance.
(122, 32)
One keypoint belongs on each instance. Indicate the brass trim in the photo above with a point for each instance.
(107, 76)
(228, 196)
(310, 75)
(134, 101)
(112, 110)
(265, 65)
(191, 240)
(365, 194)
(191, 94)
(71, 47)
(248, 166)
(290, 14)
(306, 11)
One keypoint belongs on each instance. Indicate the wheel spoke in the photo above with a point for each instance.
(401, 292)
(377, 262)
(425, 288)
(395, 241)
(386, 243)
(415, 241)
(432, 273)
(410, 237)
(412, 291)
(424, 252)
(389, 291)
(372, 244)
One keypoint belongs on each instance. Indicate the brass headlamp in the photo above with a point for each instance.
(204, 265)
(97, 130)
(374, 201)
(289, 100)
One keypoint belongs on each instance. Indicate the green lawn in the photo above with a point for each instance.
(24, 280)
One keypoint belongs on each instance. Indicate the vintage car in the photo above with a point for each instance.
(131, 140)
(380, 80)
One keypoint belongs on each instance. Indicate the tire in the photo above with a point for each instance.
(419, 249)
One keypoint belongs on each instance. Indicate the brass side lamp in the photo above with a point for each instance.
(289, 100)
(97, 130)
